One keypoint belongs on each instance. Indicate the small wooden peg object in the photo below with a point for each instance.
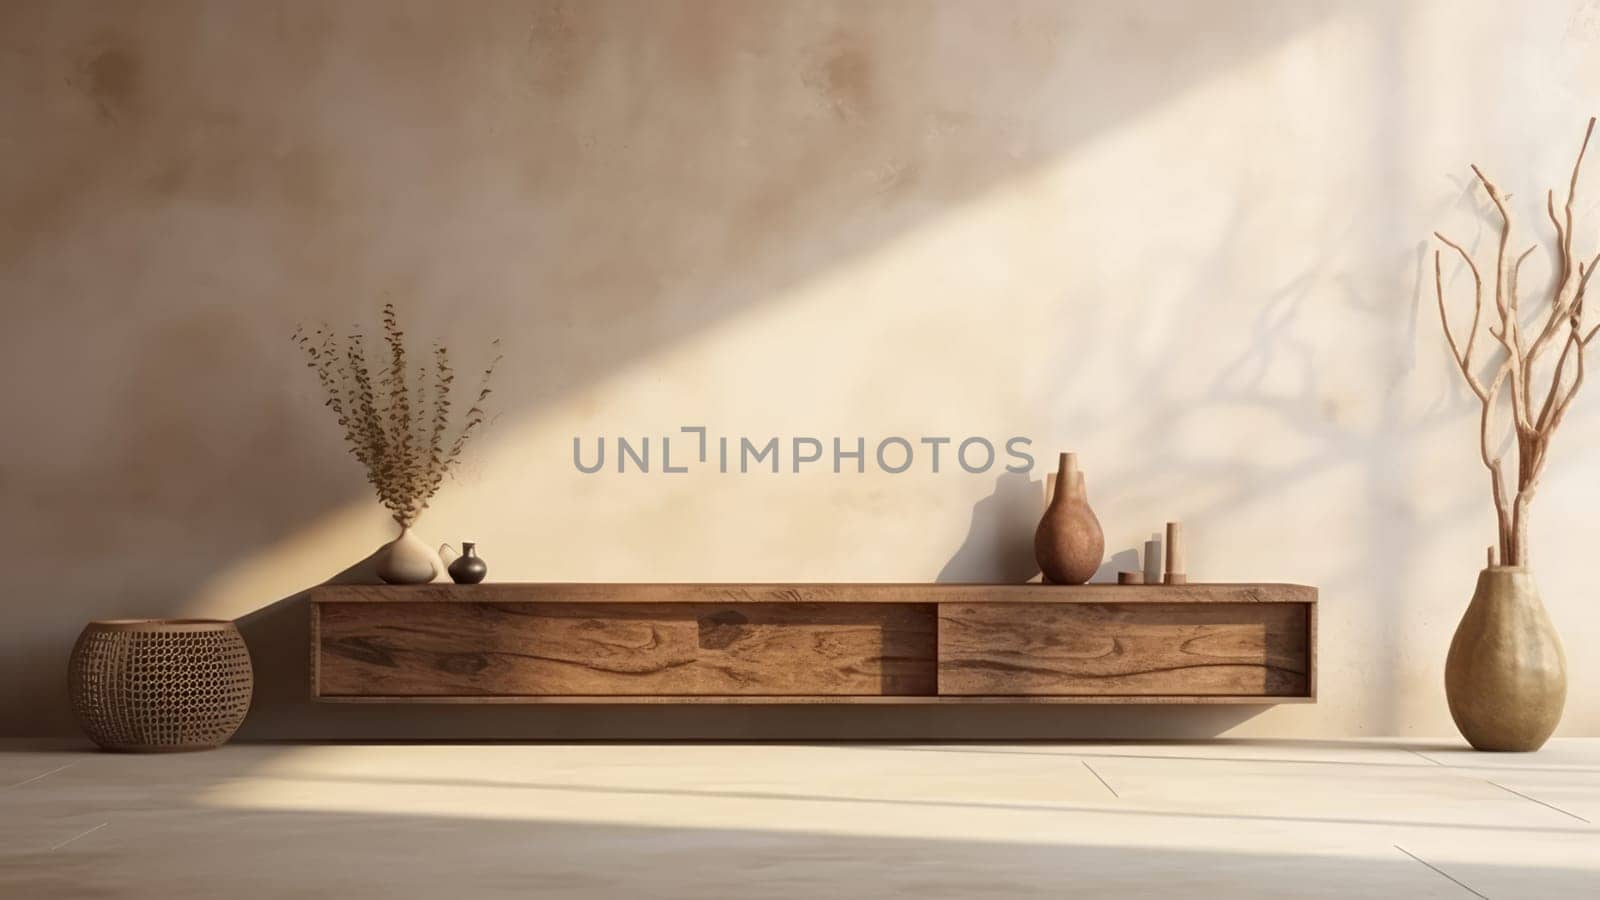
(1491, 556)
(1152, 560)
(1175, 562)
(1130, 578)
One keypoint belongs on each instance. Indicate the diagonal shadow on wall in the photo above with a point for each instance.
(613, 177)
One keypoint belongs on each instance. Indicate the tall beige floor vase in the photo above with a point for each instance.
(1506, 676)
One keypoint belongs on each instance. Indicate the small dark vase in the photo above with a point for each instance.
(468, 568)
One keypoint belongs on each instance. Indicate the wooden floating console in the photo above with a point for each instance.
(813, 643)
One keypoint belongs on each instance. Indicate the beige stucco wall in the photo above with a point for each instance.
(1187, 240)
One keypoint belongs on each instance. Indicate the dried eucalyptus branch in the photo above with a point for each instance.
(1537, 405)
(400, 431)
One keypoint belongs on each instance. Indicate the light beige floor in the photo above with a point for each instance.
(1216, 819)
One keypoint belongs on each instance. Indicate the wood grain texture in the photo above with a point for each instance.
(812, 643)
(815, 700)
(480, 649)
(1311, 652)
(1177, 566)
(555, 592)
(1169, 649)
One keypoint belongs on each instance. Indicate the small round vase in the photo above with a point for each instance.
(1506, 675)
(407, 560)
(469, 567)
(1069, 545)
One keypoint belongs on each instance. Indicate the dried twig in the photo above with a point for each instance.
(1536, 409)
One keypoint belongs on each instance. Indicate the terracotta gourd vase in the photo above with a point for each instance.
(1069, 545)
(1506, 675)
(407, 560)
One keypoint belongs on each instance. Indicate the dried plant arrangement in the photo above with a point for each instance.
(1538, 395)
(398, 424)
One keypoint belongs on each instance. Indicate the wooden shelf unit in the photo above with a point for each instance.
(814, 643)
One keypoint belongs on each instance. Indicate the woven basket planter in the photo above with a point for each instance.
(160, 685)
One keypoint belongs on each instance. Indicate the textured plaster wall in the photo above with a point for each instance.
(1184, 239)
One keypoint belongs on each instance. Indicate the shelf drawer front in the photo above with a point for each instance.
(1127, 649)
(412, 649)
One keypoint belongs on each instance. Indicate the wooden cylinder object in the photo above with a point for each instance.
(160, 685)
(1130, 578)
(1176, 572)
(1152, 560)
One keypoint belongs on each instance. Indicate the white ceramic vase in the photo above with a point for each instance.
(407, 560)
